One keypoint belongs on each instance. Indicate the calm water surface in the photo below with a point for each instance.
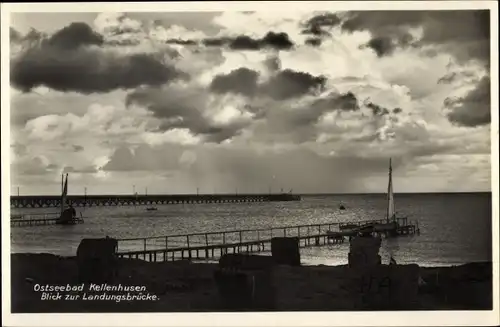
(455, 228)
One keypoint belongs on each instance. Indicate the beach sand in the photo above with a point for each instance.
(184, 286)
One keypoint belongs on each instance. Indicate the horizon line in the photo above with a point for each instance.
(258, 193)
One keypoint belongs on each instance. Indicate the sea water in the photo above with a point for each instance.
(455, 228)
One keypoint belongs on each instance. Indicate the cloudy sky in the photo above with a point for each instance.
(315, 101)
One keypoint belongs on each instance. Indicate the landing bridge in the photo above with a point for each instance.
(47, 201)
(211, 245)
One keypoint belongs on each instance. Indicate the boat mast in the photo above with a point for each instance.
(390, 201)
(62, 195)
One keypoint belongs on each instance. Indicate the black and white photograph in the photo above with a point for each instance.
(270, 157)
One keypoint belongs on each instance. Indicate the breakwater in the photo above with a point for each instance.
(47, 201)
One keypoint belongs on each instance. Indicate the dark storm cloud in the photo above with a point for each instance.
(181, 108)
(272, 40)
(385, 46)
(344, 102)
(308, 116)
(473, 109)
(313, 42)
(216, 42)
(240, 81)
(376, 109)
(74, 36)
(278, 41)
(317, 25)
(244, 43)
(289, 84)
(181, 42)
(77, 148)
(463, 33)
(72, 60)
(298, 123)
(282, 85)
(381, 45)
(397, 110)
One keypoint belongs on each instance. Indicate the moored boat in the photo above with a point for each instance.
(68, 215)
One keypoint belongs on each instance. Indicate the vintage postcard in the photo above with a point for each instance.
(250, 164)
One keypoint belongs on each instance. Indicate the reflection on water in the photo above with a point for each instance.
(455, 228)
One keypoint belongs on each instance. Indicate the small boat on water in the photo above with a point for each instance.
(341, 207)
(68, 215)
(151, 208)
(391, 223)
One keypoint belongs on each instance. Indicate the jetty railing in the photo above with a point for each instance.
(211, 244)
(23, 220)
(33, 219)
(47, 215)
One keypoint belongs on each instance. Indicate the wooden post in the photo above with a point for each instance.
(223, 238)
(206, 239)
(319, 229)
(298, 232)
(144, 244)
(258, 235)
(284, 232)
(187, 239)
(240, 237)
(166, 242)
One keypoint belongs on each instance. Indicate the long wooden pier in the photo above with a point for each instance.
(46, 201)
(210, 245)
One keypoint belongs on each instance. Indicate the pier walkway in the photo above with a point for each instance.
(20, 220)
(46, 201)
(211, 245)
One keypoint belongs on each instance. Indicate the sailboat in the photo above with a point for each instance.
(68, 215)
(391, 223)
